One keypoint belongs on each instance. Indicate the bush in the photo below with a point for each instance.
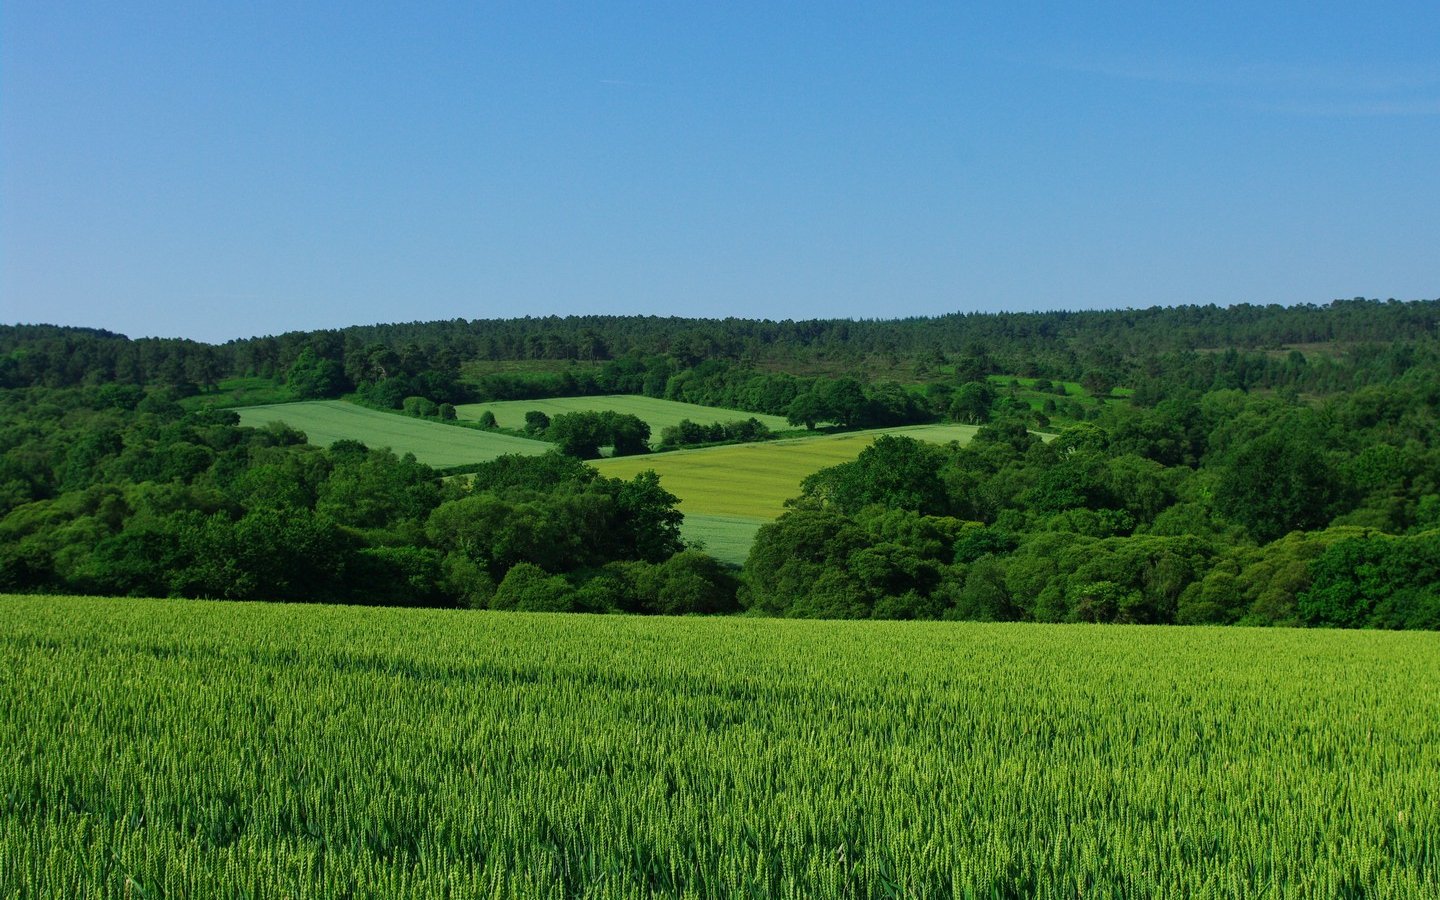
(528, 588)
(687, 583)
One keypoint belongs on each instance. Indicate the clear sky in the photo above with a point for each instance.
(217, 170)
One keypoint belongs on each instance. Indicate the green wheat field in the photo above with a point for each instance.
(327, 421)
(198, 749)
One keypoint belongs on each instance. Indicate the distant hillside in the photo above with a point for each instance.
(1052, 344)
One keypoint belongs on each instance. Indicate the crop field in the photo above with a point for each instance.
(753, 481)
(657, 414)
(327, 421)
(727, 538)
(196, 749)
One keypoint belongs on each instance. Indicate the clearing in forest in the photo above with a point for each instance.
(753, 481)
(727, 538)
(327, 421)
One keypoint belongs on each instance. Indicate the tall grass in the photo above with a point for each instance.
(190, 749)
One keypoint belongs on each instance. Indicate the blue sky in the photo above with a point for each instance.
(218, 170)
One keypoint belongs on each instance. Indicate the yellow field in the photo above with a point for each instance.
(754, 480)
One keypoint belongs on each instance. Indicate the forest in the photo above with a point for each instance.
(1248, 464)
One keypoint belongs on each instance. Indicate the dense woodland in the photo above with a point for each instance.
(1262, 465)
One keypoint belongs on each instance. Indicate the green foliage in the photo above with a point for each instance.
(817, 563)
(792, 553)
(313, 377)
(659, 414)
(582, 434)
(534, 473)
(527, 588)
(577, 434)
(1096, 527)
(270, 553)
(1278, 482)
(648, 524)
(688, 583)
(404, 576)
(629, 435)
(895, 471)
(807, 409)
(1097, 382)
(1377, 581)
(467, 580)
(420, 407)
(536, 422)
(164, 502)
(569, 526)
(691, 434)
(1246, 484)
(848, 403)
(971, 403)
(378, 490)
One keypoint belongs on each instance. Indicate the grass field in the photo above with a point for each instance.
(753, 481)
(657, 414)
(327, 421)
(727, 538)
(194, 749)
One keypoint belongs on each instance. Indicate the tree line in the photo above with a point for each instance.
(112, 490)
(423, 358)
(1236, 479)
(1220, 508)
